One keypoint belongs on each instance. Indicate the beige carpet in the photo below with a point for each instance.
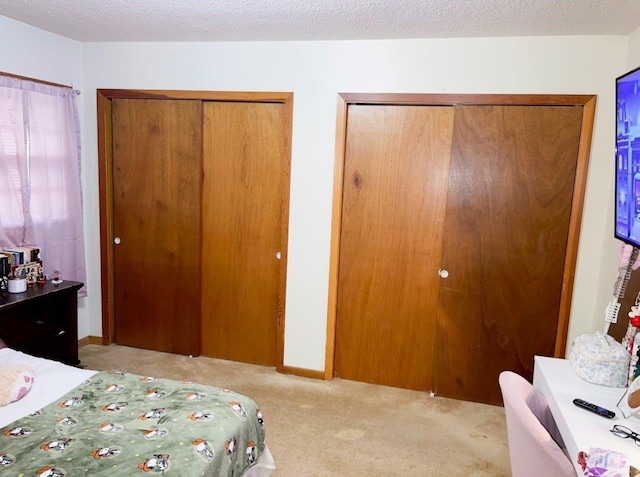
(341, 428)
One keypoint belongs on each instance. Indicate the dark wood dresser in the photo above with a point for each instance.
(42, 321)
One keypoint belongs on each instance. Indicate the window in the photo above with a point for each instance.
(40, 192)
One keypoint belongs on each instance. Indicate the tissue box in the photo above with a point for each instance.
(599, 359)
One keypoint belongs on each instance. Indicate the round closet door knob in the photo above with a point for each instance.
(116, 240)
(443, 273)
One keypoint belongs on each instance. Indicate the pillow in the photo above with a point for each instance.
(15, 382)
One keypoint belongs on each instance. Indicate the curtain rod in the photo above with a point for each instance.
(11, 75)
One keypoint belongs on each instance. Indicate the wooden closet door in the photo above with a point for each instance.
(394, 191)
(156, 208)
(245, 161)
(509, 200)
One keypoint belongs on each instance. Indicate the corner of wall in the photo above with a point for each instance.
(633, 49)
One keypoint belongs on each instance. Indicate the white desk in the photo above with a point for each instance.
(581, 429)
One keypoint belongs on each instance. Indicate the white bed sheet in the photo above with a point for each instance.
(54, 379)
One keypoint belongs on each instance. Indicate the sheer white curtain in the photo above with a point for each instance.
(40, 192)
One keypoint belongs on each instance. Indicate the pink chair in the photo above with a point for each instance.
(535, 445)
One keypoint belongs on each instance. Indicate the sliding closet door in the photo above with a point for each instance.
(244, 156)
(156, 208)
(394, 192)
(505, 239)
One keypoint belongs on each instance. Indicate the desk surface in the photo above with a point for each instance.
(581, 429)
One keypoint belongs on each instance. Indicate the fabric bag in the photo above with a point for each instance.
(599, 359)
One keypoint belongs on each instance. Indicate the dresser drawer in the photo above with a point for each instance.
(54, 346)
(42, 321)
(18, 329)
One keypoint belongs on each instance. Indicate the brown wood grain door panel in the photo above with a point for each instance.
(509, 200)
(156, 207)
(244, 156)
(394, 192)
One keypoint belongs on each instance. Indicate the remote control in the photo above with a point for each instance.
(600, 411)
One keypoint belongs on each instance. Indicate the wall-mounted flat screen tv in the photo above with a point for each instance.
(627, 205)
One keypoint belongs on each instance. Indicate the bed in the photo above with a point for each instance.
(80, 422)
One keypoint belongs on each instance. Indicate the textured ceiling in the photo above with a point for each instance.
(261, 20)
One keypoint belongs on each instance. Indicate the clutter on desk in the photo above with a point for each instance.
(597, 357)
(604, 463)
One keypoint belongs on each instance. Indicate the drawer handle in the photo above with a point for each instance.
(39, 322)
(61, 332)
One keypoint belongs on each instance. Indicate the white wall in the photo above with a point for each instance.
(34, 53)
(316, 72)
(633, 57)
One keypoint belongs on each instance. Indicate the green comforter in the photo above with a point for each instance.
(124, 424)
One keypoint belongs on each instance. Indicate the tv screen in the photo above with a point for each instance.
(627, 205)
